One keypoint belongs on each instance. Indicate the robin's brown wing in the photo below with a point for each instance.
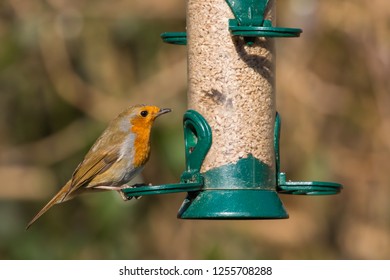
(94, 163)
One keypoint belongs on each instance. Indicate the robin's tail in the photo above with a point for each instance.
(61, 196)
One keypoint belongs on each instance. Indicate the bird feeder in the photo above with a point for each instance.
(231, 129)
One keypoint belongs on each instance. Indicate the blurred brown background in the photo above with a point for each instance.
(68, 67)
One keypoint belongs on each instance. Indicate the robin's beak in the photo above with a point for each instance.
(163, 111)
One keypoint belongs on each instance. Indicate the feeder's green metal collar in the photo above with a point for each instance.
(249, 20)
(266, 30)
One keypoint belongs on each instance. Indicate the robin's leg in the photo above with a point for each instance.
(119, 189)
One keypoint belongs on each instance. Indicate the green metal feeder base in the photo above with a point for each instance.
(217, 204)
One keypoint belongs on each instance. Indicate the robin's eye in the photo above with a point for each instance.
(144, 113)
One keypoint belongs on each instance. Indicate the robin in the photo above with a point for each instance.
(117, 156)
